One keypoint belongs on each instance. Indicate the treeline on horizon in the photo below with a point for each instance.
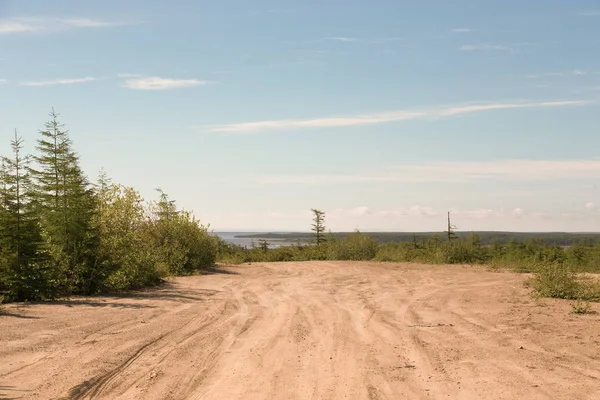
(62, 235)
(582, 256)
(487, 238)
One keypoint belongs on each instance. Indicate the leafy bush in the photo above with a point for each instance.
(356, 246)
(557, 281)
(562, 282)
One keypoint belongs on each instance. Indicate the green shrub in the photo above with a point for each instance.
(355, 246)
(401, 252)
(561, 281)
(557, 281)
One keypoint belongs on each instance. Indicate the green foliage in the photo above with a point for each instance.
(357, 246)
(60, 236)
(263, 245)
(556, 280)
(318, 226)
(22, 276)
(123, 258)
(562, 281)
(182, 244)
(65, 205)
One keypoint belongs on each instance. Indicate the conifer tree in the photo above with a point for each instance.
(318, 226)
(66, 206)
(19, 230)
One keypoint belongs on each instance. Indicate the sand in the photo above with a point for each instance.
(314, 330)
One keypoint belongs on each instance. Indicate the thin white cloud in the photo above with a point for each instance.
(88, 23)
(3, 81)
(462, 30)
(577, 72)
(484, 47)
(157, 83)
(507, 170)
(61, 81)
(9, 26)
(25, 25)
(364, 211)
(545, 74)
(343, 39)
(378, 118)
(590, 205)
(417, 211)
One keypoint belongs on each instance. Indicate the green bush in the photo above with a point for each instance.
(557, 281)
(561, 281)
(355, 246)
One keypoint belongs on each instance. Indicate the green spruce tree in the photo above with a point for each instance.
(25, 274)
(318, 226)
(66, 207)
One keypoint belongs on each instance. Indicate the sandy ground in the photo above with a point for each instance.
(318, 330)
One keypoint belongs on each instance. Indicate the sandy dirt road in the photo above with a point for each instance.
(317, 330)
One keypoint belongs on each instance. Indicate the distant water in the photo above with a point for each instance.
(249, 242)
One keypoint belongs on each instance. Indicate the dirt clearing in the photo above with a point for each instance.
(316, 330)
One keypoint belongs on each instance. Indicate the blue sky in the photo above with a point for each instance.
(384, 114)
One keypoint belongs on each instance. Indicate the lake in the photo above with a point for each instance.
(250, 242)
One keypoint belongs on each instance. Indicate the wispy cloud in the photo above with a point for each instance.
(157, 83)
(3, 81)
(378, 118)
(61, 81)
(343, 39)
(364, 211)
(521, 170)
(462, 30)
(25, 25)
(577, 72)
(11, 26)
(89, 23)
(545, 74)
(484, 47)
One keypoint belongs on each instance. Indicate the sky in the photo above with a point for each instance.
(384, 114)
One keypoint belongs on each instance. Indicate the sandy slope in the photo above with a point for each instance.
(319, 330)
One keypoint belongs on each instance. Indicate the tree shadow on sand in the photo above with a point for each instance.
(5, 389)
(217, 270)
(166, 291)
(6, 313)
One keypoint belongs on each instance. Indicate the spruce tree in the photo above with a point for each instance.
(66, 207)
(19, 229)
(318, 226)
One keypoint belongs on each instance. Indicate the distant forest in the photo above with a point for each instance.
(487, 237)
